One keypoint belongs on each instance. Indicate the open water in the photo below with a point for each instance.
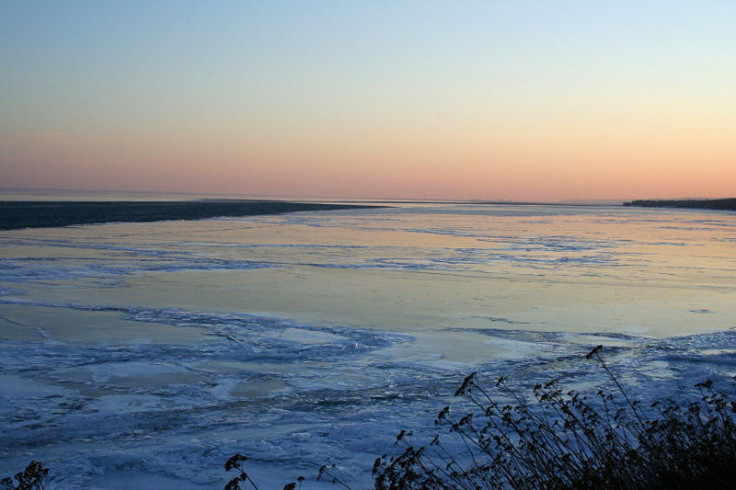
(146, 354)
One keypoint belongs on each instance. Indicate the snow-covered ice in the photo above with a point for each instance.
(147, 354)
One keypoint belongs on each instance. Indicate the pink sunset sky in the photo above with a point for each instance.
(528, 100)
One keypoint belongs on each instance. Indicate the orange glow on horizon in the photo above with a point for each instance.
(596, 102)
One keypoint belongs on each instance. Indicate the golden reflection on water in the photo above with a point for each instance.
(422, 271)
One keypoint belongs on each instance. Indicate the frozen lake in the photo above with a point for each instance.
(147, 354)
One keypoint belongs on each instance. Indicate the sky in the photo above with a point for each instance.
(416, 99)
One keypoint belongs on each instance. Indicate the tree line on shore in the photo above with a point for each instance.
(728, 204)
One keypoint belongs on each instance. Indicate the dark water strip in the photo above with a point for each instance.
(16, 215)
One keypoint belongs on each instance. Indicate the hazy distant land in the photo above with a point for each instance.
(50, 214)
(722, 204)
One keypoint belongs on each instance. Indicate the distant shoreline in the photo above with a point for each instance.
(16, 215)
(718, 204)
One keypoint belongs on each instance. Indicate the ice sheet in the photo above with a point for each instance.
(150, 353)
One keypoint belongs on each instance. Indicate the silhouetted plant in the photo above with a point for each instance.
(566, 440)
(32, 478)
(329, 473)
(237, 463)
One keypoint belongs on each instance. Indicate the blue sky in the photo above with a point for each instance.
(515, 100)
